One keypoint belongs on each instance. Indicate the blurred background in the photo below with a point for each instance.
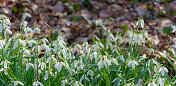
(74, 18)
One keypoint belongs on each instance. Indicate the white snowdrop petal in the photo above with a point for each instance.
(15, 44)
(165, 69)
(46, 75)
(20, 83)
(142, 23)
(133, 64)
(100, 65)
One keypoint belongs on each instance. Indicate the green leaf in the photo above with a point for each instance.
(167, 30)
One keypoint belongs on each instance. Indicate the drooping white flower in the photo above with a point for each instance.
(5, 63)
(161, 82)
(140, 22)
(37, 83)
(76, 83)
(82, 77)
(132, 63)
(22, 42)
(151, 84)
(59, 66)
(90, 72)
(3, 69)
(25, 15)
(104, 62)
(24, 24)
(43, 65)
(44, 46)
(18, 82)
(163, 70)
(1, 44)
(44, 40)
(175, 41)
(121, 58)
(139, 82)
(7, 31)
(51, 58)
(26, 52)
(146, 34)
(28, 65)
(98, 22)
(114, 61)
(46, 75)
(64, 81)
(151, 51)
(31, 42)
(36, 29)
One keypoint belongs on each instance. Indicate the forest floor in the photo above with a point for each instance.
(73, 18)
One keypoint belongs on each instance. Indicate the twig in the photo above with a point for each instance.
(44, 21)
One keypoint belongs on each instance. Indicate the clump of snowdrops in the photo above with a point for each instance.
(102, 63)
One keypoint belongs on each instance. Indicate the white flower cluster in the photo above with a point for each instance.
(41, 62)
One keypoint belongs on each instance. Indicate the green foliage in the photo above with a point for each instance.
(167, 30)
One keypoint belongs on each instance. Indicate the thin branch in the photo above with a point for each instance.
(44, 21)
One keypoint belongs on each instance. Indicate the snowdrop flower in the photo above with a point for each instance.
(121, 58)
(151, 51)
(15, 44)
(18, 82)
(78, 62)
(140, 22)
(59, 66)
(1, 44)
(26, 15)
(83, 78)
(101, 63)
(146, 34)
(7, 31)
(175, 41)
(5, 63)
(27, 29)
(24, 60)
(79, 46)
(64, 81)
(160, 81)
(163, 70)
(132, 63)
(139, 82)
(28, 65)
(76, 83)
(44, 40)
(51, 58)
(90, 72)
(22, 42)
(101, 45)
(31, 42)
(37, 83)
(44, 46)
(36, 29)
(130, 84)
(104, 62)
(46, 75)
(114, 61)
(43, 65)
(3, 69)
(98, 22)
(151, 84)
(26, 52)
(24, 24)
(3, 27)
